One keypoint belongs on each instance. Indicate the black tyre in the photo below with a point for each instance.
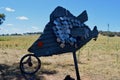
(30, 64)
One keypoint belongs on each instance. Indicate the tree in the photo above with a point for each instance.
(2, 18)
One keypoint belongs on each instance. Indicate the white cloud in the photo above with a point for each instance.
(9, 24)
(9, 9)
(22, 18)
(35, 28)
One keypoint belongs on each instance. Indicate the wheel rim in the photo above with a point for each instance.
(30, 64)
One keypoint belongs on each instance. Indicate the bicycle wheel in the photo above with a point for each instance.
(30, 64)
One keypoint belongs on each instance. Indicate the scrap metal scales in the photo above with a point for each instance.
(64, 33)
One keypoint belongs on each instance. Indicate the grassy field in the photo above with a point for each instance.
(16, 42)
(98, 60)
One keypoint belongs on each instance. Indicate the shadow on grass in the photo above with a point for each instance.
(12, 72)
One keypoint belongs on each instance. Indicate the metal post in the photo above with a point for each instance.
(76, 66)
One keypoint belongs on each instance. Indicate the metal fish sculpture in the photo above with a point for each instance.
(63, 33)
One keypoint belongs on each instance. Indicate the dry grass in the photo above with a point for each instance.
(97, 60)
(16, 42)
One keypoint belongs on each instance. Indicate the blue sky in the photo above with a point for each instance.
(32, 15)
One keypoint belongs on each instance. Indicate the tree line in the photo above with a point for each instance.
(104, 33)
(109, 33)
(18, 34)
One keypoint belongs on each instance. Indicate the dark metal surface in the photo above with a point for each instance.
(48, 38)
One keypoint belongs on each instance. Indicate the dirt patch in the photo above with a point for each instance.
(99, 66)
